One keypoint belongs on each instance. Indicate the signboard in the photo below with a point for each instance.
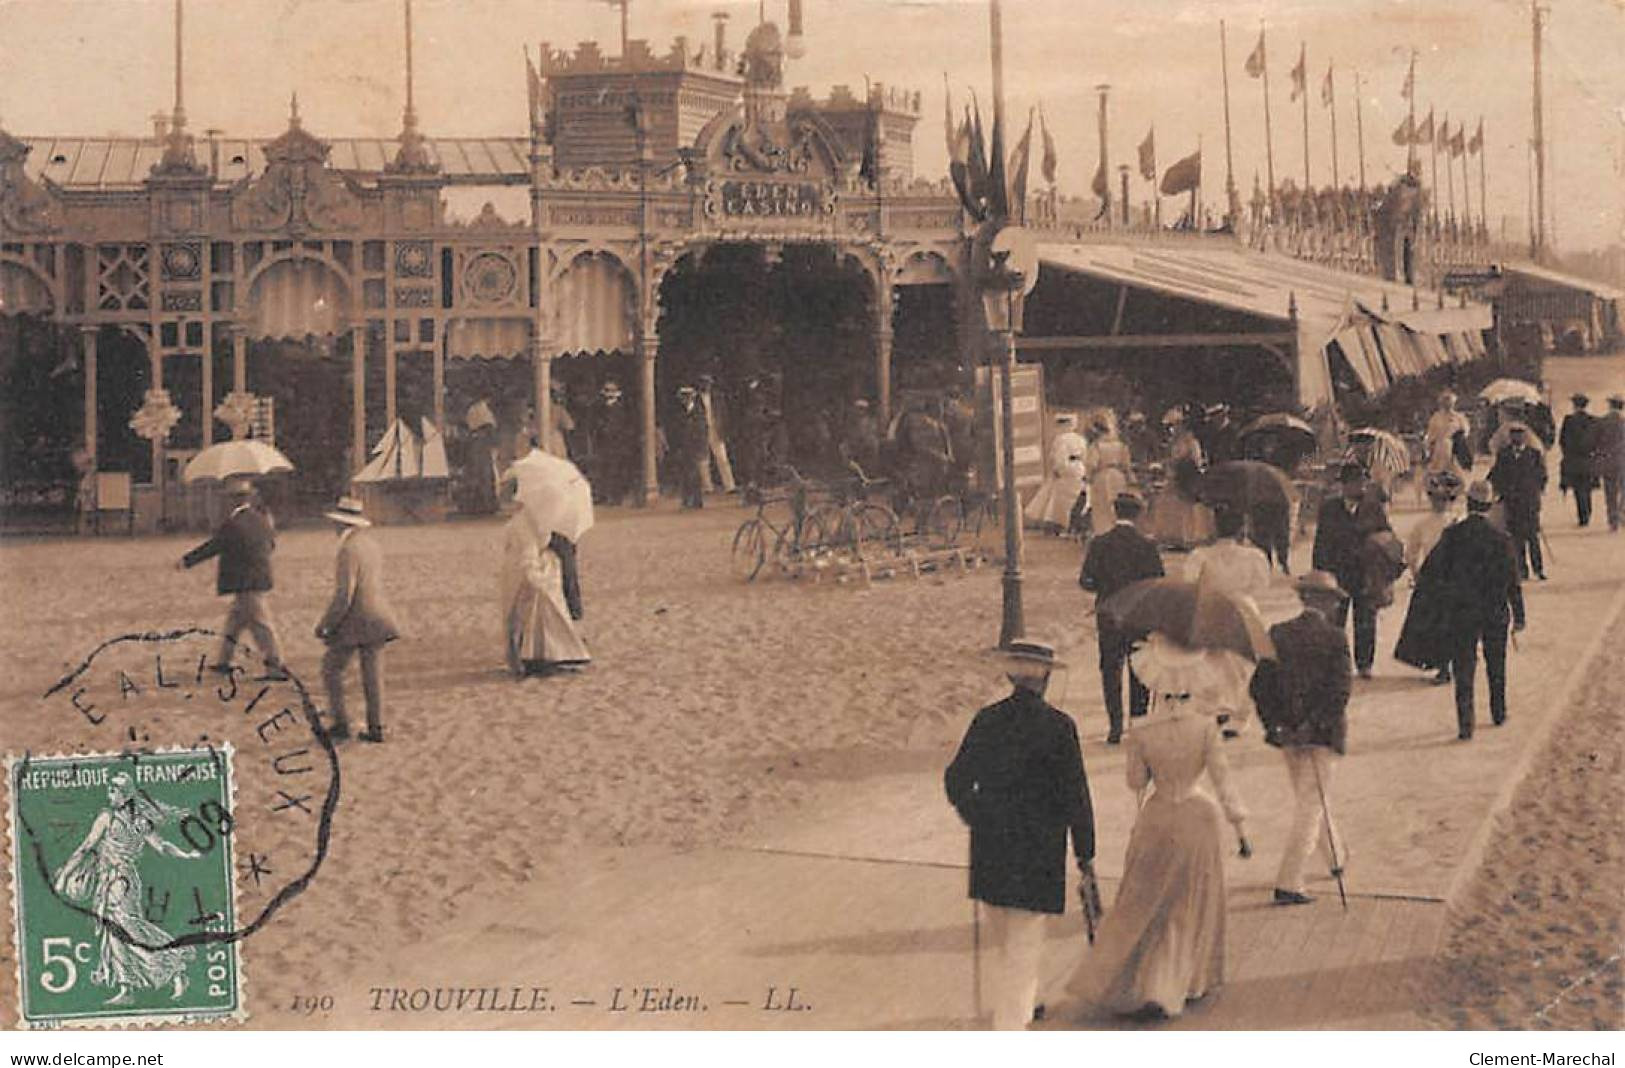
(1027, 406)
(771, 199)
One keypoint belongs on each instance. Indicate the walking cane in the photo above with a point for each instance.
(1546, 543)
(1331, 840)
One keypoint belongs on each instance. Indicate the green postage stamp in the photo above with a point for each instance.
(122, 888)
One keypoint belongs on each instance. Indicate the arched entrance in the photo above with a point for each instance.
(925, 348)
(299, 315)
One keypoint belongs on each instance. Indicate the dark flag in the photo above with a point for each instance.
(1300, 73)
(1148, 156)
(976, 164)
(948, 133)
(1326, 87)
(1048, 166)
(1255, 61)
(959, 169)
(1019, 162)
(998, 203)
(1405, 133)
(1443, 135)
(1183, 176)
(1476, 145)
(1102, 190)
(1424, 132)
(1408, 90)
(533, 85)
(1458, 142)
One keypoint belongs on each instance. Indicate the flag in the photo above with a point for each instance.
(976, 163)
(1255, 62)
(1183, 176)
(1458, 143)
(1408, 90)
(998, 204)
(1326, 87)
(1476, 145)
(1442, 136)
(1019, 161)
(1048, 166)
(1300, 75)
(1424, 132)
(948, 131)
(959, 169)
(1405, 133)
(1148, 156)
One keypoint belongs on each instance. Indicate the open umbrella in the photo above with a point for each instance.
(1387, 449)
(1505, 389)
(1194, 614)
(555, 493)
(1280, 422)
(245, 456)
(1277, 438)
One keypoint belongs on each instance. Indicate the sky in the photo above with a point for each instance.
(103, 66)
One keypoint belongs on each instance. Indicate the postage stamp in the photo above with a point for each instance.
(123, 887)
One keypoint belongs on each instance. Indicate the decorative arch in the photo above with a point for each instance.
(298, 294)
(24, 288)
(923, 267)
(594, 304)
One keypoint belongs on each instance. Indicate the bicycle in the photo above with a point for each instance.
(803, 534)
(850, 520)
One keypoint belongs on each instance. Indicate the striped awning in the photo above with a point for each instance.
(298, 298)
(489, 339)
(593, 307)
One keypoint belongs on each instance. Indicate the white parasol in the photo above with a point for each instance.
(555, 494)
(1388, 450)
(1504, 389)
(244, 457)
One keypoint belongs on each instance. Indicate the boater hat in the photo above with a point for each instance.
(349, 511)
(1024, 653)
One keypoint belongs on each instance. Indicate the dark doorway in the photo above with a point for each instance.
(309, 381)
(42, 390)
(123, 376)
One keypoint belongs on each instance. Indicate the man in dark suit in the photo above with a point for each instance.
(1018, 783)
(1302, 697)
(1577, 470)
(1519, 477)
(243, 542)
(1611, 459)
(1473, 571)
(1116, 558)
(1341, 529)
(692, 446)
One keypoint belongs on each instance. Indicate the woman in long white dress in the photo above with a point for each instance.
(541, 636)
(1161, 943)
(1109, 464)
(1051, 506)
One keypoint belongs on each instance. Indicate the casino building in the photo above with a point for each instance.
(181, 280)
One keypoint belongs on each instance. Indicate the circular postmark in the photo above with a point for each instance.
(181, 807)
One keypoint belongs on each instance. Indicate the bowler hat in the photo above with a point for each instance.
(1318, 582)
(1128, 505)
(1480, 495)
(1616, 400)
(1581, 399)
(1351, 473)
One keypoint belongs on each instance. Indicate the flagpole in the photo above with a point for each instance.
(1105, 164)
(1331, 103)
(1449, 169)
(1303, 66)
(1466, 195)
(1433, 147)
(1359, 128)
(1231, 202)
(1269, 140)
(1483, 195)
(1410, 149)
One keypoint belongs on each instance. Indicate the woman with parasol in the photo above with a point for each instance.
(1162, 942)
(541, 597)
(1178, 517)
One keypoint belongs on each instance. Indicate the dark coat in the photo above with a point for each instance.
(1473, 576)
(693, 437)
(1340, 538)
(1519, 476)
(1578, 468)
(1303, 693)
(243, 543)
(1018, 783)
(1117, 558)
(1611, 444)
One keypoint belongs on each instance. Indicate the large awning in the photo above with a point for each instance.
(1365, 317)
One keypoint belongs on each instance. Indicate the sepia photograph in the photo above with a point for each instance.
(832, 516)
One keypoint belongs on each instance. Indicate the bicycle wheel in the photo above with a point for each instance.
(749, 549)
(788, 550)
(827, 529)
(875, 526)
(944, 521)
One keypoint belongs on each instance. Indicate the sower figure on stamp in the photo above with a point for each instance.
(1519, 477)
(1116, 558)
(358, 620)
(244, 542)
(1018, 782)
(1471, 571)
(1302, 697)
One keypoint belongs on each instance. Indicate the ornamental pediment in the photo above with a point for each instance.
(26, 207)
(298, 193)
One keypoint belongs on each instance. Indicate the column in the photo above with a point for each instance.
(87, 336)
(440, 376)
(648, 343)
(885, 308)
(389, 381)
(541, 371)
(206, 413)
(358, 397)
(239, 358)
(155, 360)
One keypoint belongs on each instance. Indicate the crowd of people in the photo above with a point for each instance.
(1017, 780)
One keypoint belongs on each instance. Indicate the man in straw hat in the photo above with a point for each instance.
(1472, 568)
(1611, 459)
(1577, 470)
(244, 542)
(1302, 697)
(358, 620)
(1018, 782)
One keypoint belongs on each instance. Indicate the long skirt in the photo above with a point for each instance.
(541, 634)
(1162, 941)
(1178, 521)
(1052, 504)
